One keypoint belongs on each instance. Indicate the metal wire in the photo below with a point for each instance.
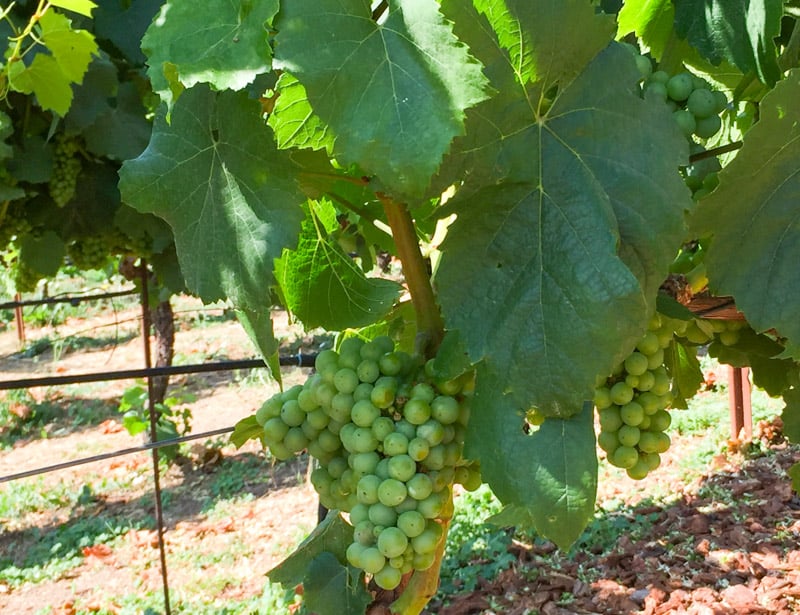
(298, 360)
(71, 299)
(111, 454)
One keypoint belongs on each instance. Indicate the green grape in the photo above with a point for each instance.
(417, 411)
(367, 489)
(395, 443)
(388, 578)
(680, 86)
(702, 103)
(392, 542)
(66, 168)
(402, 468)
(364, 413)
(427, 541)
(628, 435)
(707, 127)
(624, 457)
(372, 560)
(445, 409)
(391, 492)
(420, 486)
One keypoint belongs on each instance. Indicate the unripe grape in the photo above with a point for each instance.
(707, 127)
(402, 468)
(382, 515)
(392, 542)
(388, 578)
(395, 443)
(445, 409)
(701, 103)
(368, 371)
(367, 489)
(680, 86)
(372, 560)
(632, 413)
(628, 435)
(364, 413)
(382, 427)
(417, 411)
(391, 492)
(624, 457)
(621, 393)
(419, 486)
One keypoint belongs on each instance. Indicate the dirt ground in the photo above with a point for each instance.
(735, 551)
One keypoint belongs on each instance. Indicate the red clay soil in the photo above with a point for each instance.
(733, 553)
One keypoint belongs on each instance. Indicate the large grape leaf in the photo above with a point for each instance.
(293, 119)
(322, 285)
(330, 588)
(551, 474)
(754, 215)
(791, 415)
(540, 36)
(549, 275)
(124, 23)
(650, 20)
(715, 28)
(228, 51)
(393, 93)
(217, 177)
(333, 535)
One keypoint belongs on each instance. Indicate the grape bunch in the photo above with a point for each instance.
(695, 105)
(388, 437)
(632, 404)
(89, 252)
(66, 168)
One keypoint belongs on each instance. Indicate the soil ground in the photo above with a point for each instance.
(727, 544)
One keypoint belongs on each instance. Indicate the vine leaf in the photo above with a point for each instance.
(394, 93)
(552, 474)
(685, 371)
(761, 353)
(333, 535)
(791, 415)
(44, 254)
(329, 588)
(294, 121)
(71, 49)
(715, 29)
(124, 23)
(228, 52)
(259, 328)
(84, 7)
(215, 175)
(567, 253)
(537, 37)
(753, 216)
(322, 285)
(651, 20)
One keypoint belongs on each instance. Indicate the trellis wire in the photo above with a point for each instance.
(148, 372)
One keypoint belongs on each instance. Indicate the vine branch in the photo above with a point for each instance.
(430, 326)
(716, 151)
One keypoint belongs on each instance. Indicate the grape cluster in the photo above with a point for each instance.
(632, 404)
(90, 252)
(66, 168)
(389, 439)
(96, 251)
(704, 331)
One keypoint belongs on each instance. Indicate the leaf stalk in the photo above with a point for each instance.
(430, 326)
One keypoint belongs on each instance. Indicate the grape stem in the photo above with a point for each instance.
(430, 326)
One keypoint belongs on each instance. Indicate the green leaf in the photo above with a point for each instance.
(294, 121)
(330, 588)
(762, 354)
(72, 49)
(684, 369)
(84, 7)
(124, 23)
(46, 80)
(216, 176)
(32, 161)
(333, 535)
(258, 326)
(738, 31)
(755, 249)
(794, 474)
(569, 252)
(228, 51)
(122, 132)
(93, 97)
(791, 415)
(650, 20)
(247, 429)
(322, 285)
(44, 254)
(552, 473)
(539, 36)
(393, 93)
(670, 307)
